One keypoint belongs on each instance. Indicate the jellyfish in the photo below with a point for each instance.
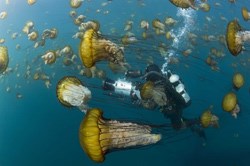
(245, 14)
(170, 21)
(73, 13)
(158, 25)
(238, 81)
(71, 93)
(4, 59)
(205, 7)
(31, 2)
(98, 136)
(151, 91)
(33, 35)
(128, 26)
(229, 104)
(3, 15)
(27, 27)
(49, 57)
(94, 48)
(79, 19)
(49, 33)
(128, 39)
(184, 3)
(2, 40)
(209, 119)
(75, 3)
(144, 24)
(236, 37)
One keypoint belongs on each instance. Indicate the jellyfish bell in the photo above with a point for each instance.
(245, 14)
(238, 81)
(4, 59)
(230, 104)
(75, 3)
(98, 136)
(184, 3)
(236, 37)
(94, 48)
(72, 93)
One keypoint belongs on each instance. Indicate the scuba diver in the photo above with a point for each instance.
(156, 89)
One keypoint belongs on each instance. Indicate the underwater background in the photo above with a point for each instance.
(35, 129)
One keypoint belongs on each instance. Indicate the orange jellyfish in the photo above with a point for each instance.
(236, 37)
(71, 93)
(209, 119)
(245, 14)
(4, 59)
(230, 104)
(238, 81)
(94, 48)
(184, 3)
(98, 135)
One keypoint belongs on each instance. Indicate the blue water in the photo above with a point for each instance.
(37, 130)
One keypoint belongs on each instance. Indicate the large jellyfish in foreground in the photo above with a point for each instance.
(4, 59)
(236, 37)
(98, 135)
(94, 48)
(71, 93)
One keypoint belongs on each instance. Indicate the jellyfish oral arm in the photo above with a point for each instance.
(76, 95)
(124, 135)
(243, 36)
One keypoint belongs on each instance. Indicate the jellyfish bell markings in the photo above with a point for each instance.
(71, 93)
